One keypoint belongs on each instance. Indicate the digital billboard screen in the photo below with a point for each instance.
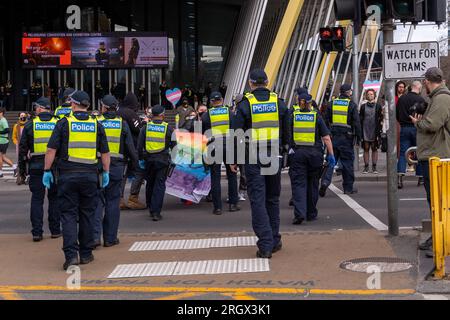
(117, 50)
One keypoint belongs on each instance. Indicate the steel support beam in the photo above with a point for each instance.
(282, 40)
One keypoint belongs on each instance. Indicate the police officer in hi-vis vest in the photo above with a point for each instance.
(76, 142)
(267, 116)
(342, 117)
(121, 147)
(309, 133)
(33, 146)
(66, 108)
(154, 145)
(217, 121)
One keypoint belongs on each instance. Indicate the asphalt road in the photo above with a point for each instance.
(334, 213)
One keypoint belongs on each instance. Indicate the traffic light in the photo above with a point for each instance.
(332, 39)
(407, 10)
(339, 39)
(326, 40)
(436, 11)
(349, 10)
(345, 9)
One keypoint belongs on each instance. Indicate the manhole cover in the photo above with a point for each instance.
(384, 265)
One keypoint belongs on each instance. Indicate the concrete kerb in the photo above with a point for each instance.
(426, 267)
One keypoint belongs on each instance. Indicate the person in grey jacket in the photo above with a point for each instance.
(433, 130)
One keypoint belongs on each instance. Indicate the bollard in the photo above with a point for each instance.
(440, 208)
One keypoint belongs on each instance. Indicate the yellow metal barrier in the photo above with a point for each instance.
(440, 202)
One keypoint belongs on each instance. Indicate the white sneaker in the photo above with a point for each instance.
(242, 197)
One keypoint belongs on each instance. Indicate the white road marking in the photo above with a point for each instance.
(194, 244)
(434, 297)
(414, 199)
(185, 268)
(362, 212)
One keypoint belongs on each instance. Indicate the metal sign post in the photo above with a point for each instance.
(389, 86)
(356, 91)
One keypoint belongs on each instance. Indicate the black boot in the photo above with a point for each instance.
(400, 182)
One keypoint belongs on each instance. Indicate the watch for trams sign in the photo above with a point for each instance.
(410, 60)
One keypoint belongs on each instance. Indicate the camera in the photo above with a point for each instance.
(418, 108)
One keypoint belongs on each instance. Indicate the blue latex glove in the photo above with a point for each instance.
(105, 177)
(331, 161)
(48, 179)
(142, 164)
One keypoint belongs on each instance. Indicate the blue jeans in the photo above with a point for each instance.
(408, 139)
(110, 206)
(78, 200)
(37, 207)
(264, 194)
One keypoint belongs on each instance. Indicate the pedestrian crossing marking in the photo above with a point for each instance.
(172, 245)
(189, 268)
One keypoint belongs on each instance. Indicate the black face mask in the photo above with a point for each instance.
(201, 114)
(23, 119)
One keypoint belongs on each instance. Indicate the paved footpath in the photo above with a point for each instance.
(309, 265)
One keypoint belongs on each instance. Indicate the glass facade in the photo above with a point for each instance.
(200, 36)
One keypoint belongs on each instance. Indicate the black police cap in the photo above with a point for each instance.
(81, 98)
(43, 102)
(110, 101)
(216, 96)
(346, 88)
(158, 110)
(258, 76)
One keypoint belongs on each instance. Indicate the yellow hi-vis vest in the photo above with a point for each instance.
(156, 137)
(177, 121)
(265, 118)
(83, 140)
(296, 108)
(340, 113)
(42, 132)
(62, 112)
(113, 130)
(220, 121)
(305, 128)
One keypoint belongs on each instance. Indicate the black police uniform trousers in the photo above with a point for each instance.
(305, 170)
(107, 217)
(78, 199)
(264, 193)
(344, 152)
(156, 175)
(216, 189)
(37, 205)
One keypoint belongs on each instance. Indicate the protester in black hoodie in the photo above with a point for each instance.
(128, 111)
